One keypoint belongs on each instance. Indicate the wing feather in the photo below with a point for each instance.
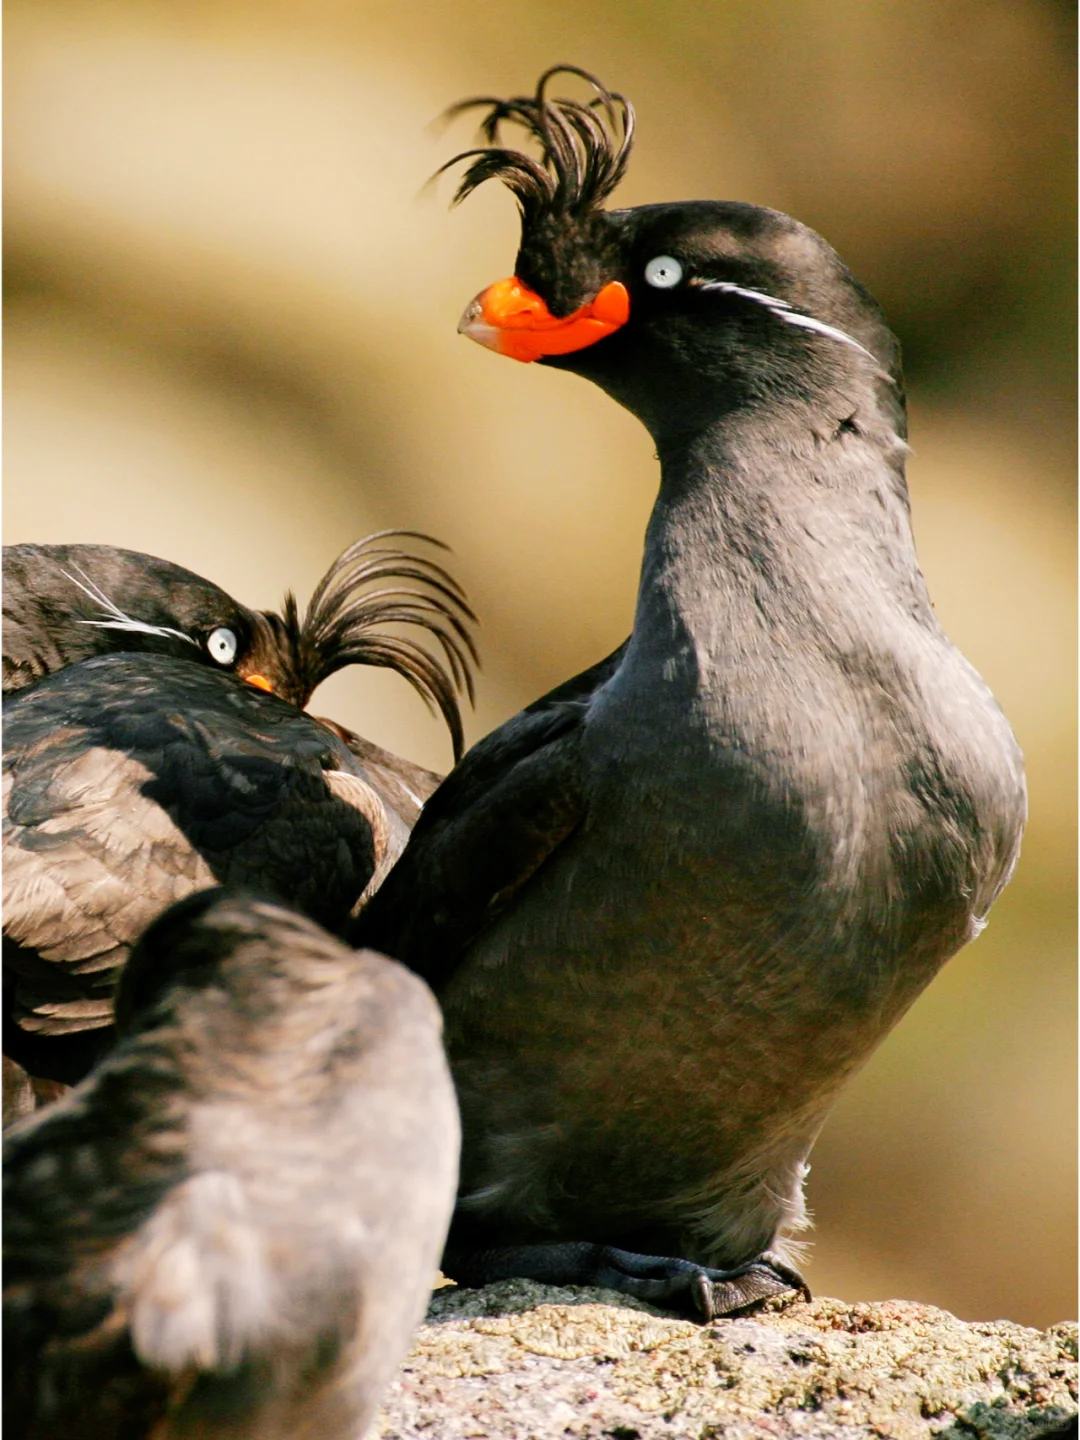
(133, 780)
(496, 819)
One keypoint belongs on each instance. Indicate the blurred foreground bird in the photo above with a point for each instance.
(670, 908)
(232, 1227)
(137, 767)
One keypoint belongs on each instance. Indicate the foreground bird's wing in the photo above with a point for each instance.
(79, 1177)
(493, 822)
(125, 1272)
(131, 781)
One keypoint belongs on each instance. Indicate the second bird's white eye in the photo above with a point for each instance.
(221, 644)
(663, 271)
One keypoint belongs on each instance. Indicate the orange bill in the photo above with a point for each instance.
(511, 319)
(260, 682)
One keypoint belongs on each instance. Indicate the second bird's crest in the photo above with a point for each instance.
(339, 627)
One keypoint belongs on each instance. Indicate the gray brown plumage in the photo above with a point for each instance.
(672, 906)
(232, 1226)
(137, 768)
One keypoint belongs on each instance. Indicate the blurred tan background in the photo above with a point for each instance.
(231, 341)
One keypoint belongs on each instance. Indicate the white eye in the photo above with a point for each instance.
(221, 643)
(663, 271)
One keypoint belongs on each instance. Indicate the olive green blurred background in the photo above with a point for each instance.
(231, 341)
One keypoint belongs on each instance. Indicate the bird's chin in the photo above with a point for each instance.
(600, 363)
(592, 362)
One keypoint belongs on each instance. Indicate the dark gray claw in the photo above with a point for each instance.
(681, 1284)
(720, 1292)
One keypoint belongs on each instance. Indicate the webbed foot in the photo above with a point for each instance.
(664, 1281)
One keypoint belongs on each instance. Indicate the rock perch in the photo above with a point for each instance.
(520, 1361)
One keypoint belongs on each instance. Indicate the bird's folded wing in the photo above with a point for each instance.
(88, 862)
(401, 786)
(494, 821)
(120, 798)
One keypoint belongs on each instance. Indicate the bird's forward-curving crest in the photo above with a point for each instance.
(584, 148)
(344, 620)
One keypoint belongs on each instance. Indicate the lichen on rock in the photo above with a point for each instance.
(521, 1361)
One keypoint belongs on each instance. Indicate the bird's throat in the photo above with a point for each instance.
(769, 539)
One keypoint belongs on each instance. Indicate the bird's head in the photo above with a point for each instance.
(682, 312)
(66, 603)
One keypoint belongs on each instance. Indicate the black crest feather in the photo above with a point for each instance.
(344, 620)
(585, 147)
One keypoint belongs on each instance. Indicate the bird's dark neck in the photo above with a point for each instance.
(771, 526)
(782, 641)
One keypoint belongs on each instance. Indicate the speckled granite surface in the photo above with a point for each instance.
(519, 1361)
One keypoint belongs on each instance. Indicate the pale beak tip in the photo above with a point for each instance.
(473, 312)
(473, 325)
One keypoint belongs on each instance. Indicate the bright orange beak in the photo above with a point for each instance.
(260, 682)
(511, 319)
